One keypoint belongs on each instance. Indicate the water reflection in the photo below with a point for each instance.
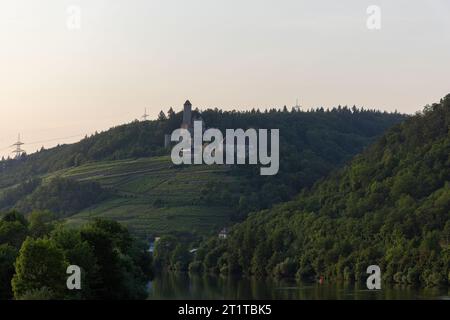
(183, 286)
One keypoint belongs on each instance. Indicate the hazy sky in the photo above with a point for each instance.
(57, 82)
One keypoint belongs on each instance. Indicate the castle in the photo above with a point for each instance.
(187, 123)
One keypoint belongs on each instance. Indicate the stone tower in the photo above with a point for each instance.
(187, 115)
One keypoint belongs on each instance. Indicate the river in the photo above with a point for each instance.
(185, 287)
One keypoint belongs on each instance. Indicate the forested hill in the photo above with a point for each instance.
(311, 145)
(336, 134)
(389, 207)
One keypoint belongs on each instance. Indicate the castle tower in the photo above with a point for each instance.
(187, 115)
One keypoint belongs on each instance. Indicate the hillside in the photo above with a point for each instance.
(153, 197)
(390, 207)
(135, 182)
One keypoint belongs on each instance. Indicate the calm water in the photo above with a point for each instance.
(185, 287)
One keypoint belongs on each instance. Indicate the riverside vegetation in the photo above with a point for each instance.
(390, 206)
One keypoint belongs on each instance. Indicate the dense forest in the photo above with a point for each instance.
(312, 144)
(390, 206)
(35, 253)
(61, 196)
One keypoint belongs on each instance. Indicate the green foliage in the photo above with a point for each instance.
(312, 144)
(180, 258)
(390, 206)
(40, 294)
(134, 140)
(113, 265)
(153, 197)
(163, 250)
(40, 264)
(13, 229)
(63, 196)
(40, 223)
(11, 196)
(118, 274)
(8, 255)
(78, 252)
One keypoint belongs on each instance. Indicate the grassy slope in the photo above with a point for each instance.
(138, 184)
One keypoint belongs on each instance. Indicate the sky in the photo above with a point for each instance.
(70, 68)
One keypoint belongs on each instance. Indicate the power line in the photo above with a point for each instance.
(55, 139)
(19, 143)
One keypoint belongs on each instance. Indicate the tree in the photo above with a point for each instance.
(170, 113)
(119, 275)
(163, 251)
(110, 277)
(78, 252)
(180, 258)
(162, 116)
(63, 196)
(41, 223)
(13, 233)
(446, 234)
(8, 255)
(14, 216)
(40, 264)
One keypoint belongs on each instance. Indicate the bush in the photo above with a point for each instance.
(195, 266)
(285, 269)
(43, 293)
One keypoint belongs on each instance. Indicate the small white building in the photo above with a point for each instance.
(151, 248)
(223, 234)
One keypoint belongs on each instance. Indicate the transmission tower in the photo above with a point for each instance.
(18, 151)
(145, 116)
